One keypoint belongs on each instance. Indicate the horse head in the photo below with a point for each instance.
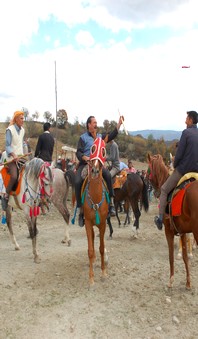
(157, 172)
(97, 157)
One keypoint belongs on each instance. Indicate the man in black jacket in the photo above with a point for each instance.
(45, 144)
(186, 160)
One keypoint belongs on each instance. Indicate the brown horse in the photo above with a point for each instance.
(95, 205)
(185, 223)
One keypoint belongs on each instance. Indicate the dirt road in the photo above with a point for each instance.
(52, 300)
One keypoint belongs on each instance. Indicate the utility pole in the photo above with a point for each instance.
(56, 134)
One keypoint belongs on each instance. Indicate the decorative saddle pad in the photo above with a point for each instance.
(6, 179)
(120, 179)
(178, 193)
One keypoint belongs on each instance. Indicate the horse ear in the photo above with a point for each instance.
(148, 157)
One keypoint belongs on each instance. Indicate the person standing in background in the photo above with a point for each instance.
(114, 158)
(131, 168)
(45, 144)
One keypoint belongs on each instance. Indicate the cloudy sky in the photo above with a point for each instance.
(110, 55)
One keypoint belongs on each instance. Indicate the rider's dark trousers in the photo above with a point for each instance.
(13, 176)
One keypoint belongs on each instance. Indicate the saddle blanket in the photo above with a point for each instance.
(6, 177)
(120, 179)
(177, 201)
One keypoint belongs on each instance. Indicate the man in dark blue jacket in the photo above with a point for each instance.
(83, 153)
(186, 160)
(45, 144)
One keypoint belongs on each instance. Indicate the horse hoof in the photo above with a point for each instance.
(17, 248)
(69, 243)
(190, 255)
(37, 260)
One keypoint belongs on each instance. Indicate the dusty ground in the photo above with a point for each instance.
(52, 300)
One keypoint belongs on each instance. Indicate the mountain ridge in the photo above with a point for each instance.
(167, 135)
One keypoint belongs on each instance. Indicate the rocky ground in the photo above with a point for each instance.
(52, 299)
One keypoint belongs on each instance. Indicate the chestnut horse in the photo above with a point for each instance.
(95, 202)
(176, 225)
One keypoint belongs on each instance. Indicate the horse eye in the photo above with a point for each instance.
(93, 149)
(104, 152)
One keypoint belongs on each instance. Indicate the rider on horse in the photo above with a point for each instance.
(83, 154)
(186, 160)
(14, 148)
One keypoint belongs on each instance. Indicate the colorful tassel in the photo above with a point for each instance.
(35, 211)
(83, 198)
(23, 198)
(107, 197)
(74, 217)
(38, 210)
(97, 218)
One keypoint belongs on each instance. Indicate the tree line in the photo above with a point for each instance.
(130, 147)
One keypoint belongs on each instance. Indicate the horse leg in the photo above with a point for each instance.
(103, 252)
(65, 214)
(31, 222)
(9, 225)
(179, 254)
(185, 259)
(137, 214)
(189, 243)
(116, 210)
(170, 240)
(91, 251)
(194, 243)
(110, 226)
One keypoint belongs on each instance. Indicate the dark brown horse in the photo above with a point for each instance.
(134, 192)
(185, 223)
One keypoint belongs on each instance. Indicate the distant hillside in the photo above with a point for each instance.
(168, 135)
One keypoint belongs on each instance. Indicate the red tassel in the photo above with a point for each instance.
(38, 210)
(35, 211)
(30, 212)
(23, 198)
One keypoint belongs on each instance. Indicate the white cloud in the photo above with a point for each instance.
(148, 85)
(85, 38)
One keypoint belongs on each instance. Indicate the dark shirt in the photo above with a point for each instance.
(186, 158)
(44, 147)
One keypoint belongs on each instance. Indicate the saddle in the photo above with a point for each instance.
(175, 197)
(6, 178)
(119, 180)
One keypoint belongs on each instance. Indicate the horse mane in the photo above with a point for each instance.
(159, 170)
(33, 167)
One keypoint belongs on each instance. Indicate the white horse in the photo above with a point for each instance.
(35, 186)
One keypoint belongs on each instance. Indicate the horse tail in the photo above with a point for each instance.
(70, 178)
(145, 200)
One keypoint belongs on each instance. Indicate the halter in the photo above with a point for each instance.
(40, 194)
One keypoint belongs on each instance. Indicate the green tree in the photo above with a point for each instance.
(48, 117)
(62, 118)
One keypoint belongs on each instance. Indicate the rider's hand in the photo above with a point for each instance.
(85, 158)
